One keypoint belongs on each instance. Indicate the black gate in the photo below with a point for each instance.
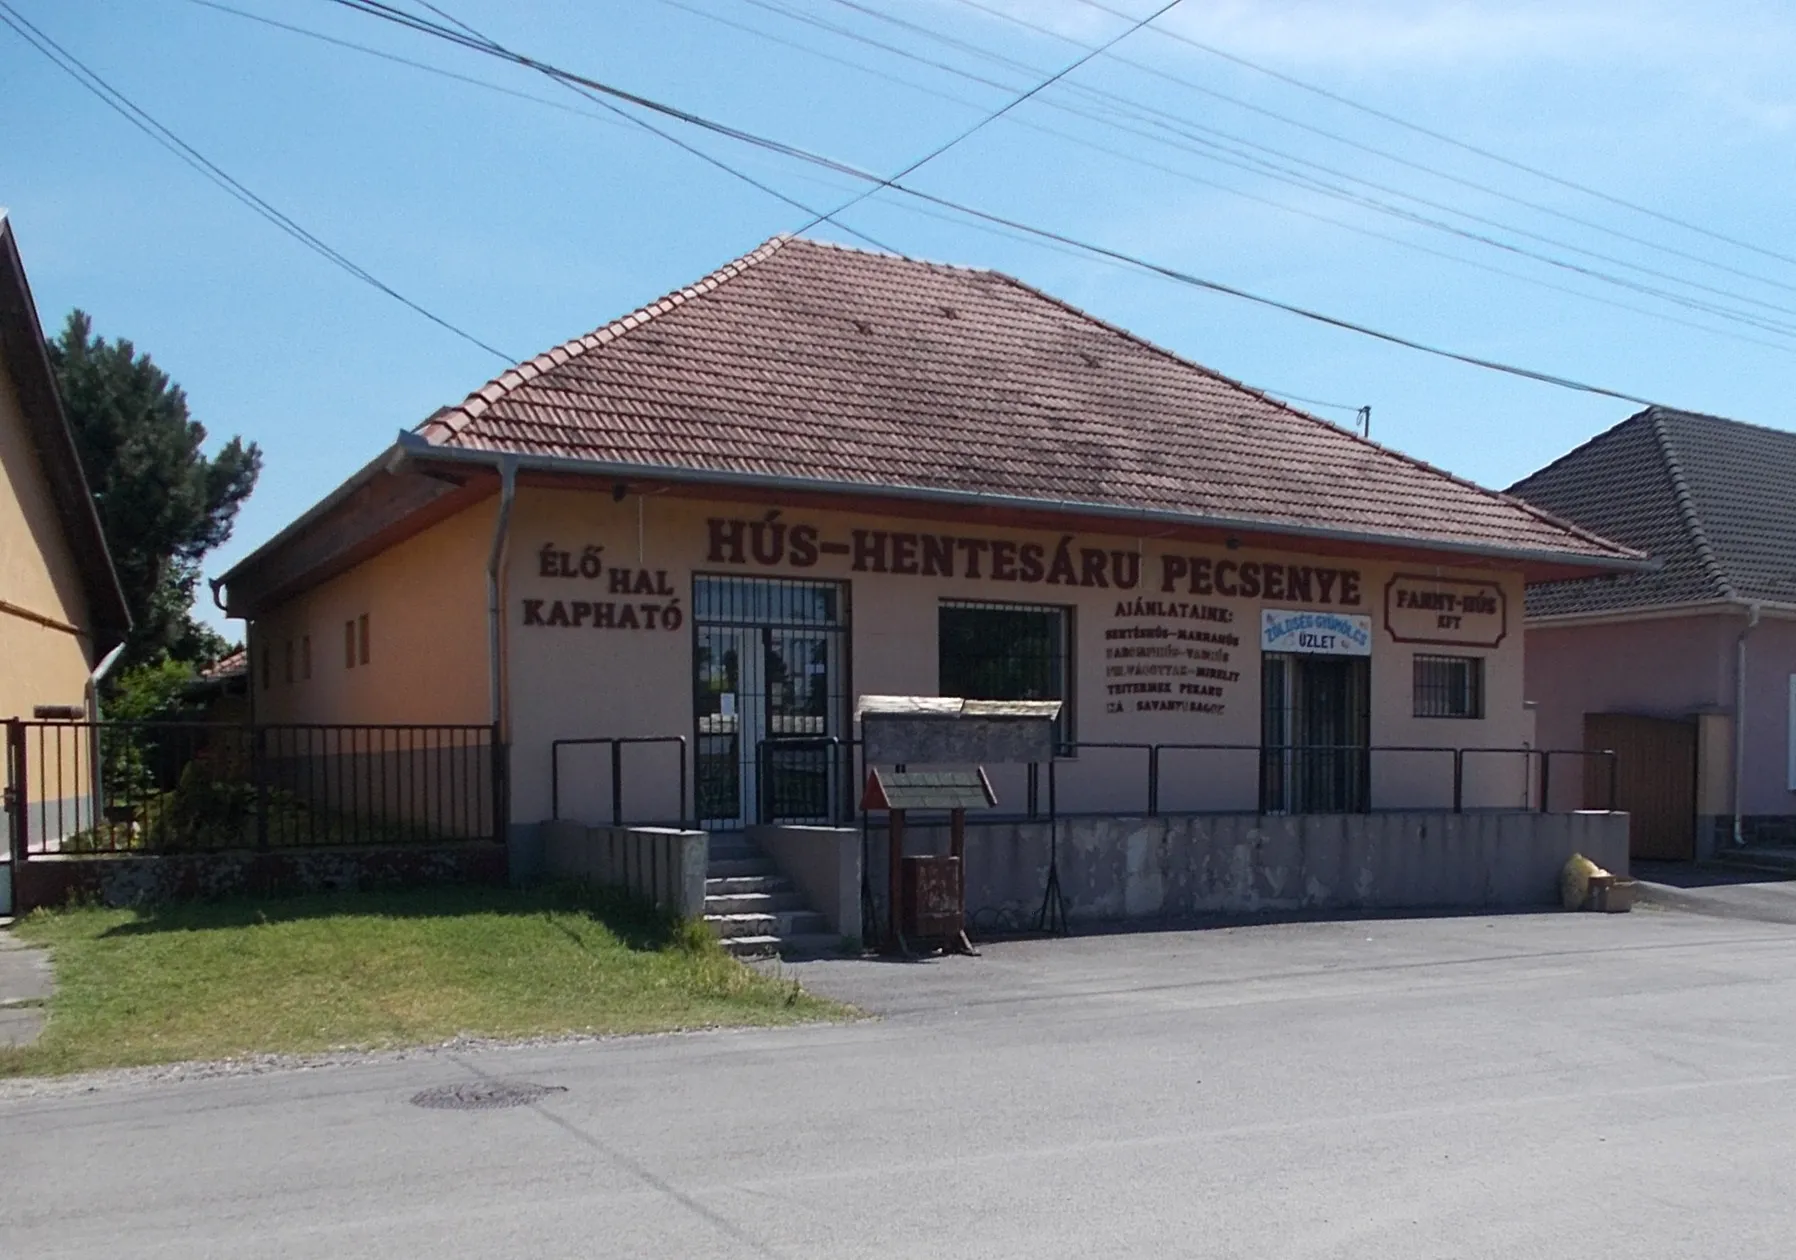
(80, 787)
(1315, 735)
(770, 697)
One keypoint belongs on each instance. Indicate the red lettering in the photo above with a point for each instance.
(974, 547)
(1297, 584)
(869, 551)
(1091, 568)
(1202, 578)
(1003, 561)
(1225, 581)
(1172, 568)
(726, 542)
(1349, 586)
(1034, 562)
(1250, 579)
(804, 547)
(938, 555)
(904, 553)
(1325, 581)
(1275, 581)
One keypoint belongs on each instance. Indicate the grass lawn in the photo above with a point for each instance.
(380, 969)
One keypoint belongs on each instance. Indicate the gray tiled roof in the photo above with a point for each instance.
(1713, 500)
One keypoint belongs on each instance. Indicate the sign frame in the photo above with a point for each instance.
(1276, 626)
(1483, 584)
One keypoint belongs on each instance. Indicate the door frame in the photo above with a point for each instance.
(752, 730)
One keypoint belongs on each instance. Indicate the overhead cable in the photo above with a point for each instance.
(386, 12)
(142, 120)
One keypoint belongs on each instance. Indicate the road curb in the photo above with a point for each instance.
(1667, 897)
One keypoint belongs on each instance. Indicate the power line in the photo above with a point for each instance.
(1457, 143)
(1385, 154)
(494, 47)
(996, 114)
(1178, 126)
(1259, 167)
(376, 9)
(139, 118)
(426, 67)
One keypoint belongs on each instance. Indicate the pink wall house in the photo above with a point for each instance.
(1708, 639)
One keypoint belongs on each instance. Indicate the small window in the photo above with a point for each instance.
(287, 663)
(1007, 652)
(361, 638)
(305, 657)
(349, 644)
(1449, 687)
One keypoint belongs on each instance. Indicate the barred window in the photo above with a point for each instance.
(993, 651)
(1449, 687)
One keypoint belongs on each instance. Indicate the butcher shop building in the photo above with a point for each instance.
(713, 526)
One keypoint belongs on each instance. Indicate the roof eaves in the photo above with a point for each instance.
(1686, 504)
(1508, 500)
(443, 426)
(22, 345)
(416, 447)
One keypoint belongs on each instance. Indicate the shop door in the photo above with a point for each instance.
(1314, 731)
(1655, 780)
(771, 698)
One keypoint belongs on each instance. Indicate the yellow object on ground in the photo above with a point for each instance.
(1574, 880)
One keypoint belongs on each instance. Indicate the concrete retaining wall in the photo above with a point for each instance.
(133, 879)
(663, 864)
(825, 863)
(1171, 867)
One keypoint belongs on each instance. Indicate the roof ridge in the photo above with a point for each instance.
(1381, 448)
(442, 425)
(1680, 487)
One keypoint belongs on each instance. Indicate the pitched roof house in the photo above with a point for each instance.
(1691, 664)
(845, 473)
(61, 609)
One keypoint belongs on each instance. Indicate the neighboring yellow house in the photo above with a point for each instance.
(61, 609)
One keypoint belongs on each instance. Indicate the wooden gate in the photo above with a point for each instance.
(1655, 780)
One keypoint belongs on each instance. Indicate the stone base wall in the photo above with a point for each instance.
(1172, 867)
(663, 864)
(132, 879)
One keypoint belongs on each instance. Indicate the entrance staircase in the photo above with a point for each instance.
(754, 910)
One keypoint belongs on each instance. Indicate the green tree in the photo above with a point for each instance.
(163, 502)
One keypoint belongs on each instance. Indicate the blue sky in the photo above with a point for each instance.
(529, 221)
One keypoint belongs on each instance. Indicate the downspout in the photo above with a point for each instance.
(508, 491)
(97, 677)
(1752, 621)
(97, 772)
(495, 626)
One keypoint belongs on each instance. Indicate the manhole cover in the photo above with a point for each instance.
(483, 1095)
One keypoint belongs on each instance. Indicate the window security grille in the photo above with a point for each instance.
(995, 651)
(1449, 687)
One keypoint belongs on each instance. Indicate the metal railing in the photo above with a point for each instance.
(76, 787)
(1456, 770)
(616, 744)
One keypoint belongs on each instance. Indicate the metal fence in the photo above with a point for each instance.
(817, 780)
(166, 787)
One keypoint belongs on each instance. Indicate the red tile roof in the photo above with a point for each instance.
(841, 367)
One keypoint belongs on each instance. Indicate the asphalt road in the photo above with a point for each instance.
(1551, 1085)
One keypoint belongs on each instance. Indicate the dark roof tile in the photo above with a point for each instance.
(1712, 500)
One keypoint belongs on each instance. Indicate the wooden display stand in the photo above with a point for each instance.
(928, 896)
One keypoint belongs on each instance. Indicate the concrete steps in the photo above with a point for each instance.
(755, 911)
